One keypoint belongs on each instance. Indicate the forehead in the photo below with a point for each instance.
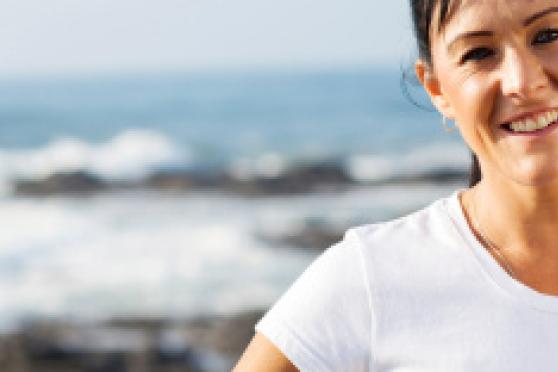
(481, 14)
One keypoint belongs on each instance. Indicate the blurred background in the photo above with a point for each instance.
(168, 168)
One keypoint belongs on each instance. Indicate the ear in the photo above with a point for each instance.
(432, 86)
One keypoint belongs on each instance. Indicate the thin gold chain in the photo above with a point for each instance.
(493, 247)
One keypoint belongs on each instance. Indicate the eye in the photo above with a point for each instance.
(546, 36)
(477, 54)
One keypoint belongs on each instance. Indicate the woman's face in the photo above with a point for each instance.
(495, 71)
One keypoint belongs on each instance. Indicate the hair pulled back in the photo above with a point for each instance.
(423, 15)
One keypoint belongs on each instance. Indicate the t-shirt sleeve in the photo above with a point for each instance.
(323, 322)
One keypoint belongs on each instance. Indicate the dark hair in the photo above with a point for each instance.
(423, 14)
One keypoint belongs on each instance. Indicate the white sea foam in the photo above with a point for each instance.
(140, 253)
(131, 155)
(151, 254)
(133, 254)
(422, 160)
(364, 167)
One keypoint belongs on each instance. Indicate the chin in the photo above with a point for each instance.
(535, 175)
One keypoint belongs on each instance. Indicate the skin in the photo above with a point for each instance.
(262, 355)
(482, 82)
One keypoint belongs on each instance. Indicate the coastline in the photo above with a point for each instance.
(129, 345)
(134, 209)
(283, 231)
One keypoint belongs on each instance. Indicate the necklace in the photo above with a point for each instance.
(493, 247)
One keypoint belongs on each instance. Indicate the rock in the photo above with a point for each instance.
(79, 182)
(299, 179)
(227, 335)
(183, 181)
(312, 236)
(437, 176)
(61, 347)
(205, 344)
(444, 176)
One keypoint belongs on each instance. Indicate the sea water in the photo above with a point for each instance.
(138, 252)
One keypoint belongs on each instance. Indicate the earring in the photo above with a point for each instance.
(448, 128)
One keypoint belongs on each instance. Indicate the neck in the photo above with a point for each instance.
(523, 222)
(515, 214)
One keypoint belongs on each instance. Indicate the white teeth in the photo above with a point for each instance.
(532, 125)
(536, 123)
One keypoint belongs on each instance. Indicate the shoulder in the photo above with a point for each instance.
(413, 254)
(421, 229)
(326, 306)
(335, 299)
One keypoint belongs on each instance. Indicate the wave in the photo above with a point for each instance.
(131, 155)
(428, 160)
(134, 156)
(137, 254)
(142, 254)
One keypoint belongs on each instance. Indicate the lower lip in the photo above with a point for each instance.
(540, 132)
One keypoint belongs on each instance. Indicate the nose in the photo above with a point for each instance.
(523, 76)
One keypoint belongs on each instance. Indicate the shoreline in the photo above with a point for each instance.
(205, 343)
(296, 180)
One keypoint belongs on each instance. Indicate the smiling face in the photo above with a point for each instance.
(495, 71)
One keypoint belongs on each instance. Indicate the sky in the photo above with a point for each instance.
(69, 37)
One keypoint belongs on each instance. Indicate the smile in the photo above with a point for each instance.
(534, 123)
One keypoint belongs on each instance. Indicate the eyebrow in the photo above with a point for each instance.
(526, 22)
(540, 14)
(470, 34)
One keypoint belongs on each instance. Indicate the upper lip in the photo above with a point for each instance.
(527, 115)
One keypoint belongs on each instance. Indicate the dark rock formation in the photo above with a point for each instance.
(60, 183)
(186, 180)
(302, 178)
(299, 179)
(206, 344)
(59, 347)
(228, 336)
(312, 236)
(436, 176)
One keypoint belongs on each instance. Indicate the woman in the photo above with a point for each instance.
(470, 283)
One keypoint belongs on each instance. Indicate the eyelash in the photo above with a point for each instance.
(477, 54)
(549, 32)
(481, 53)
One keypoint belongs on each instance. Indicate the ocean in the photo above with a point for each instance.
(134, 251)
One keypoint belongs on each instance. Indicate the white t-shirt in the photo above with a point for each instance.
(417, 294)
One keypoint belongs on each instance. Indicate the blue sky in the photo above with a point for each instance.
(39, 37)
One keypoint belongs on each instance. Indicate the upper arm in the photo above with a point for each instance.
(323, 322)
(261, 355)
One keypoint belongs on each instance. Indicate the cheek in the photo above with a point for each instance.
(474, 100)
(549, 60)
(552, 71)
